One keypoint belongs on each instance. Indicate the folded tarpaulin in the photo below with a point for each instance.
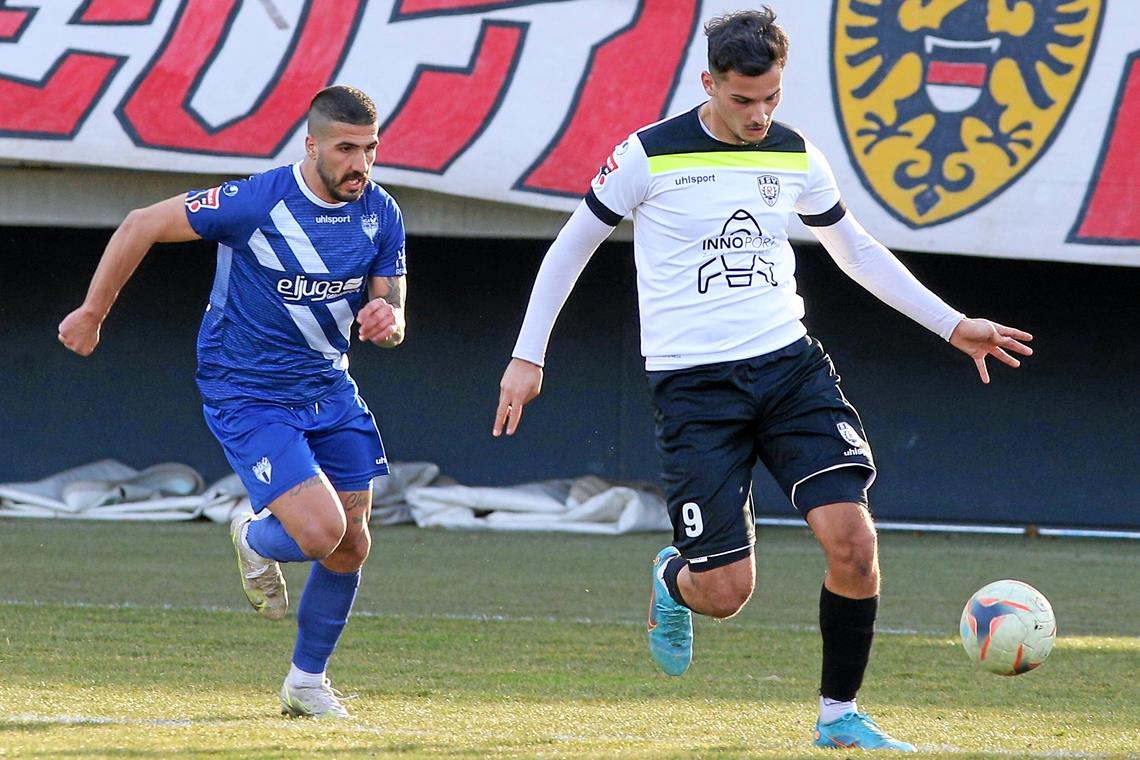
(413, 491)
(111, 490)
(587, 504)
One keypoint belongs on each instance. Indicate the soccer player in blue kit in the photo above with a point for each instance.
(734, 377)
(303, 251)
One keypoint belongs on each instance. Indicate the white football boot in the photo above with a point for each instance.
(261, 578)
(312, 701)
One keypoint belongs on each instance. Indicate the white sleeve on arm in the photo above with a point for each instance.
(869, 263)
(564, 262)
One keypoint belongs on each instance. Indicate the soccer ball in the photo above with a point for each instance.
(1008, 627)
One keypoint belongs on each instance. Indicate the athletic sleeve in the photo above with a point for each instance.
(819, 204)
(390, 260)
(567, 256)
(868, 262)
(620, 184)
(230, 212)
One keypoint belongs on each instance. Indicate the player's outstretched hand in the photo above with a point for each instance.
(379, 323)
(79, 331)
(979, 338)
(521, 382)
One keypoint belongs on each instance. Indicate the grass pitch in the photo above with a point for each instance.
(133, 641)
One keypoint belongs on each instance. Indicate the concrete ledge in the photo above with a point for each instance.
(85, 197)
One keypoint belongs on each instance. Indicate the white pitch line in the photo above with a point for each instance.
(474, 618)
(97, 720)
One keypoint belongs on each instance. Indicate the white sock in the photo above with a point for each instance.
(298, 677)
(243, 540)
(831, 710)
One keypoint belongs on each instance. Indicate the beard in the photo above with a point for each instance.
(332, 183)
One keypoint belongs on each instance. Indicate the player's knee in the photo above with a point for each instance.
(855, 555)
(320, 538)
(355, 551)
(725, 593)
(727, 601)
(352, 552)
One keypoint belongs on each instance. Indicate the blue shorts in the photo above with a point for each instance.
(273, 447)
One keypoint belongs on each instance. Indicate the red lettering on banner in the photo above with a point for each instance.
(115, 12)
(156, 113)
(57, 105)
(1109, 215)
(629, 82)
(444, 110)
(13, 22)
(405, 9)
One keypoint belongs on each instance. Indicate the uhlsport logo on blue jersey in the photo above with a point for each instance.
(945, 103)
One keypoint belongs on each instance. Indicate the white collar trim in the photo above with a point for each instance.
(308, 192)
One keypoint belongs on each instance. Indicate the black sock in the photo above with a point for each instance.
(847, 626)
(672, 570)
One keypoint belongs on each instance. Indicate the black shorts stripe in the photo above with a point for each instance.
(827, 218)
(601, 211)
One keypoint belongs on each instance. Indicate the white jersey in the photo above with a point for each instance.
(715, 271)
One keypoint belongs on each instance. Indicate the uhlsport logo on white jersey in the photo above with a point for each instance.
(263, 470)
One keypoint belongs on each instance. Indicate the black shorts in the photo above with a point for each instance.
(714, 422)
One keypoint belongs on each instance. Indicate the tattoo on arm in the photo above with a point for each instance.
(393, 291)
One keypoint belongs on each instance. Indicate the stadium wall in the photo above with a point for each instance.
(1053, 443)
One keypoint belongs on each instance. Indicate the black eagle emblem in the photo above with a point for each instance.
(974, 88)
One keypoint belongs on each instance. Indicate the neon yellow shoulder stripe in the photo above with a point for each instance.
(729, 159)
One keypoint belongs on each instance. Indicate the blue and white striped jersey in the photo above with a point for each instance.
(292, 273)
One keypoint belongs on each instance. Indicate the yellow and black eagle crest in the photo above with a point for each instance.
(944, 103)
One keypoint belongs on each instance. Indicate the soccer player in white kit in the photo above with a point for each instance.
(304, 251)
(734, 377)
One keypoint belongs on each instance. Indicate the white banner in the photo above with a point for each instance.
(991, 127)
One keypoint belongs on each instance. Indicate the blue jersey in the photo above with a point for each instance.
(292, 273)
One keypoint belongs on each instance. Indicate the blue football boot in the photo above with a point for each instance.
(856, 731)
(670, 624)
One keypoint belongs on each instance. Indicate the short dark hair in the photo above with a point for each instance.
(747, 42)
(342, 103)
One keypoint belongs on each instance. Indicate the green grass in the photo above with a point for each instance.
(133, 640)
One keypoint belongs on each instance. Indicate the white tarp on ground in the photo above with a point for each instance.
(413, 492)
(583, 505)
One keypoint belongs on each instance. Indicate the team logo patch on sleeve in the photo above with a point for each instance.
(200, 199)
(611, 165)
(946, 104)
